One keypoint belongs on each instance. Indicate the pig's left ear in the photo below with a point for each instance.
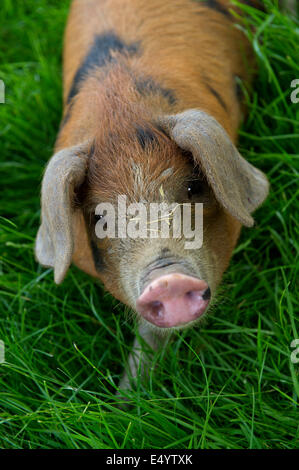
(238, 186)
(55, 240)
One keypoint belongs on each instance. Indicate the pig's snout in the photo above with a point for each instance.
(174, 300)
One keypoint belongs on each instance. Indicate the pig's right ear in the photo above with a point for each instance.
(54, 242)
(238, 186)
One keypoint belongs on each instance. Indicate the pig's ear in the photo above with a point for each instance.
(54, 242)
(238, 186)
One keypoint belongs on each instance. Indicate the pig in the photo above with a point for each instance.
(152, 107)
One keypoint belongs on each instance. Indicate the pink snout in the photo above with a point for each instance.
(174, 300)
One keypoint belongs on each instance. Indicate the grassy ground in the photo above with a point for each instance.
(230, 384)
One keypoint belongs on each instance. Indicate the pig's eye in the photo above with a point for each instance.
(195, 188)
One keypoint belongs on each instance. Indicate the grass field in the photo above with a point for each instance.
(229, 384)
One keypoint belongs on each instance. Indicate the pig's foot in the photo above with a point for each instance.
(140, 363)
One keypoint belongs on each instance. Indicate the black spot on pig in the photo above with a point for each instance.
(91, 150)
(148, 86)
(217, 6)
(66, 117)
(146, 137)
(161, 130)
(100, 54)
(217, 96)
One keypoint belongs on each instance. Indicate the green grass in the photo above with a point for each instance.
(229, 384)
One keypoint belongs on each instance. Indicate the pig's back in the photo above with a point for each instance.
(190, 48)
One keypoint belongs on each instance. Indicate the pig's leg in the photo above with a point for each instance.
(139, 360)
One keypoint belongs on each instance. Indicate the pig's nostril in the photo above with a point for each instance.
(195, 295)
(207, 294)
(192, 294)
(156, 308)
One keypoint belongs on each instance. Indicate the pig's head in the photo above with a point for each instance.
(175, 159)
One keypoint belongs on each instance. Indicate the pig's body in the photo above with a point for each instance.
(143, 81)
